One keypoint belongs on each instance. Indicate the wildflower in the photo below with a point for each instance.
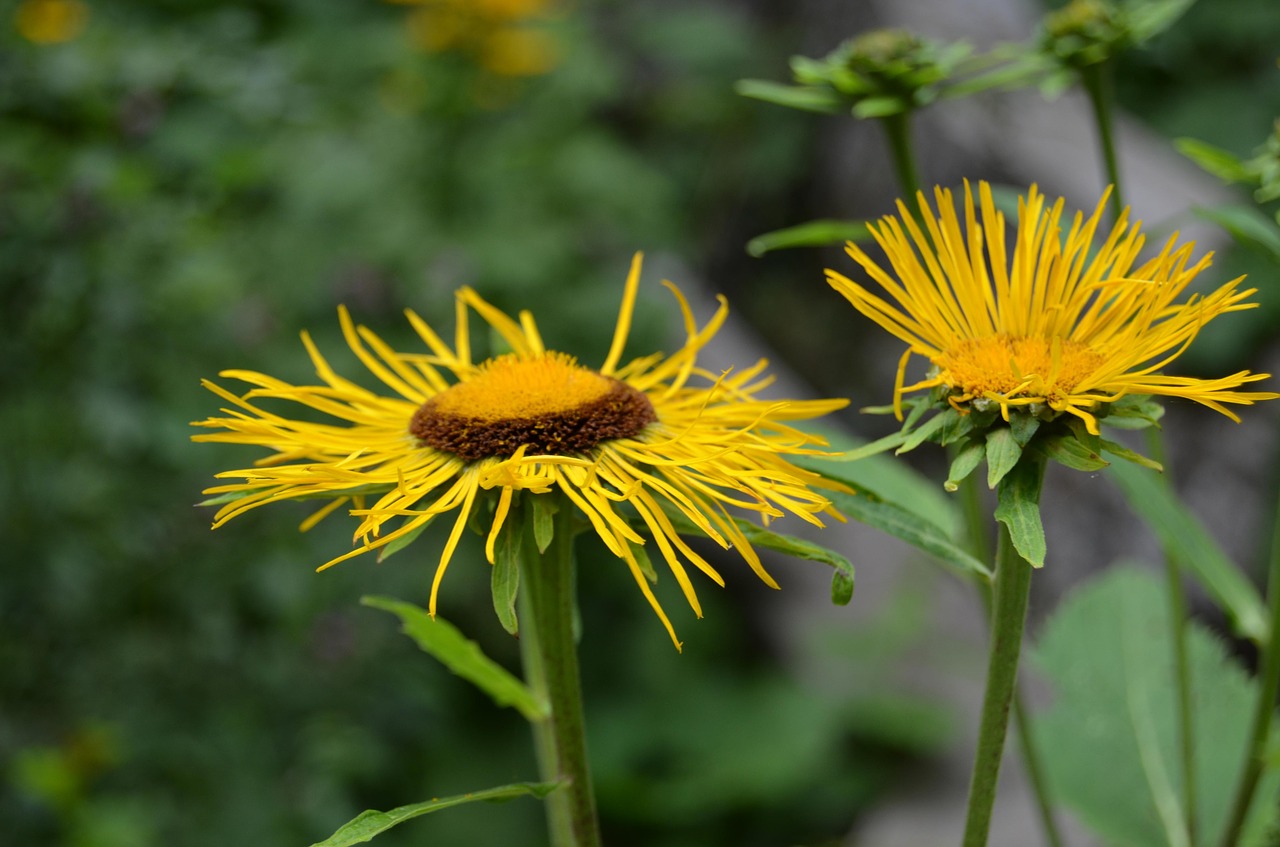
(634, 445)
(1048, 330)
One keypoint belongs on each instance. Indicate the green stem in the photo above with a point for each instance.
(1181, 658)
(1266, 702)
(898, 129)
(1009, 615)
(551, 669)
(976, 533)
(1097, 83)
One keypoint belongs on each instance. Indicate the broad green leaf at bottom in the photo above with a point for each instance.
(368, 824)
(1110, 742)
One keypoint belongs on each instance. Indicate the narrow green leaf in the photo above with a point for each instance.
(462, 656)
(402, 542)
(955, 428)
(868, 508)
(1003, 451)
(544, 525)
(1154, 16)
(1182, 533)
(926, 430)
(880, 445)
(1108, 659)
(1223, 164)
(229, 497)
(368, 824)
(1134, 412)
(818, 233)
(1130, 456)
(969, 457)
(1018, 507)
(505, 582)
(1067, 451)
(1247, 226)
(793, 97)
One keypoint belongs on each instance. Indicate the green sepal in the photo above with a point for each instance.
(881, 107)
(818, 233)
(393, 547)
(1122, 452)
(1084, 436)
(1023, 426)
(1003, 452)
(1152, 17)
(955, 428)
(1066, 450)
(966, 460)
(872, 448)
(371, 823)
(645, 564)
(805, 98)
(1134, 411)
(505, 576)
(544, 525)
(229, 497)
(1018, 507)
(462, 656)
(1194, 548)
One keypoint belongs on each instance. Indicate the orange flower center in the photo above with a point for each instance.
(546, 403)
(1022, 367)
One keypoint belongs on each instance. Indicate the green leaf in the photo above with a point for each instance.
(1067, 451)
(1182, 533)
(1003, 452)
(505, 581)
(1130, 456)
(1023, 426)
(544, 525)
(1110, 743)
(926, 430)
(793, 97)
(1152, 17)
(1134, 411)
(1223, 164)
(1247, 226)
(873, 448)
(867, 507)
(758, 536)
(1018, 507)
(462, 656)
(368, 824)
(818, 233)
(969, 457)
(402, 542)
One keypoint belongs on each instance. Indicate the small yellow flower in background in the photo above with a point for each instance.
(50, 21)
(505, 37)
(635, 439)
(1047, 330)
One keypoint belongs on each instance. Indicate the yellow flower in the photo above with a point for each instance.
(505, 37)
(51, 21)
(635, 439)
(1047, 329)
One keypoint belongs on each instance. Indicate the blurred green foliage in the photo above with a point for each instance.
(184, 186)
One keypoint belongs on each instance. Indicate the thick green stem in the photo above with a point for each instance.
(898, 129)
(1181, 658)
(1253, 765)
(551, 669)
(1008, 618)
(976, 524)
(1097, 84)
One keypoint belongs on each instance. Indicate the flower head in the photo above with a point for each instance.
(1049, 329)
(648, 444)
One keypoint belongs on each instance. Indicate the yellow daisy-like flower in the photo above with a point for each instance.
(635, 439)
(1048, 329)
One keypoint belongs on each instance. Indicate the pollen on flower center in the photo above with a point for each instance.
(1022, 367)
(547, 403)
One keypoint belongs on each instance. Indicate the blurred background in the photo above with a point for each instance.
(186, 185)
